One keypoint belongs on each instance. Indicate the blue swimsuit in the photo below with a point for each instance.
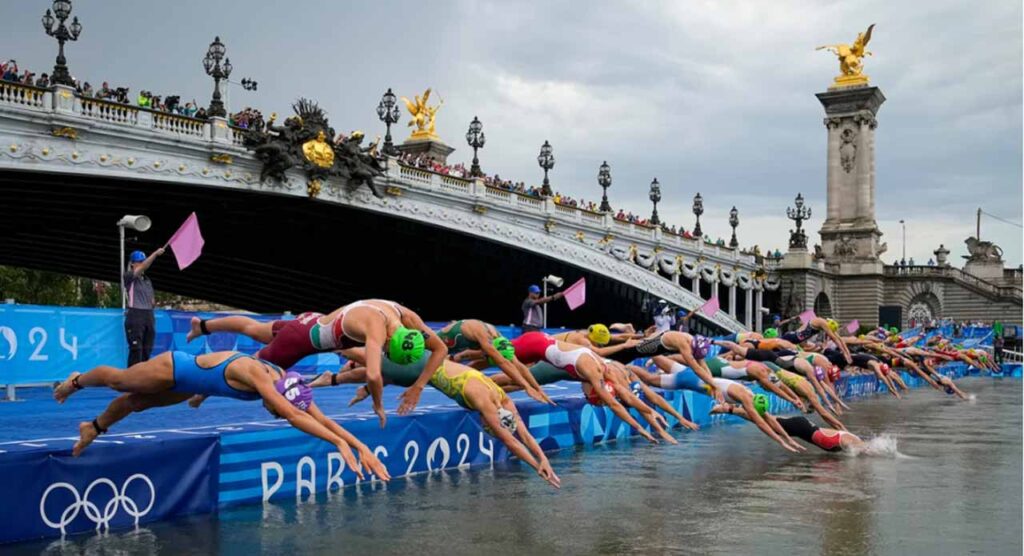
(190, 378)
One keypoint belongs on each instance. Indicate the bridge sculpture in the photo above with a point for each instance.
(56, 131)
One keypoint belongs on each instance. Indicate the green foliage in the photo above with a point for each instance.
(40, 287)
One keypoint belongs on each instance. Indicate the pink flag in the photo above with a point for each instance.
(187, 242)
(853, 327)
(710, 307)
(806, 316)
(576, 294)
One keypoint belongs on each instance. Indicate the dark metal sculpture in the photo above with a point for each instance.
(307, 140)
(546, 160)
(63, 33)
(698, 209)
(604, 179)
(655, 197)
(734, 220)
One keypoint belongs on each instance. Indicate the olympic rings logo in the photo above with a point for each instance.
(91, 510)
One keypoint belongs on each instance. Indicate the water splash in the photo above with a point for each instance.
(883, 445)
(972, 398)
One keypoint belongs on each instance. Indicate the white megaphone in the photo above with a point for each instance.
(555, 281)
(138, 222)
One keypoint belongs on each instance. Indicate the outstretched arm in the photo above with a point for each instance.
(366, 456)
(438, 352)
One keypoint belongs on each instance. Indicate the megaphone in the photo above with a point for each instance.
(555, 281)
(138, 222)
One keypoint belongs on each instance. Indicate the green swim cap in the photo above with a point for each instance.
(761, 404)
(894, 330)
(504, 347)
(406, 346)
(771, 333)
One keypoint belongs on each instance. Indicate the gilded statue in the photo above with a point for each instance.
(318, 151)
(423, 116)
(851, 67)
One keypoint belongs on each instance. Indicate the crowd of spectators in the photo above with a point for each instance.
(247, 118)
(9, 71)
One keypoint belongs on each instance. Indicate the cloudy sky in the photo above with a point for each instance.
(715, 97)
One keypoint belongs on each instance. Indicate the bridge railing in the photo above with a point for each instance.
(23, 95)
(955, 274)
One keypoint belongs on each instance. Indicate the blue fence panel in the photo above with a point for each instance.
(43, 344)
(49, 493)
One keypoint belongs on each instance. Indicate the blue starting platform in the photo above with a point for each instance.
(177, 461)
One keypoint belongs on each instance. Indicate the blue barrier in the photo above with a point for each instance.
(49, 493)
(40, 343)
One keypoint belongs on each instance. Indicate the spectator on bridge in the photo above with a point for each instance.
(139, 324)
(9, 71)
(911, 262)
(533, 316)
(43, 82)
(931, 262)
(201, 113)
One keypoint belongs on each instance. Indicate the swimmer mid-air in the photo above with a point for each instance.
(173, 377)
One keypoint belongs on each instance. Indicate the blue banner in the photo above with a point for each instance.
(44, 344)
(48, 493)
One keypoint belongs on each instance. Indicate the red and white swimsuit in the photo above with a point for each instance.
(533, 347)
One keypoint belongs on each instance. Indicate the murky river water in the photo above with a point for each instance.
(949, 482)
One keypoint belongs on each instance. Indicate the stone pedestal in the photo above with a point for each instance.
(434, 149)
(850, 235)
(986, 270)
(797, 258)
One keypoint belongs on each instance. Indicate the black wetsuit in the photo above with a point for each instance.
(800, 336)
(861, 360)
(646, 348)
(800, 427)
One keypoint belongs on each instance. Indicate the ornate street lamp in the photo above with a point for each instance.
(213, 67)
(698, 209)
(547, 161)
(388, 112)
(249, 84)
(734, 220)
(655, 197)
(56, 29)
(604, 179)
(476, 139)
(798, 239)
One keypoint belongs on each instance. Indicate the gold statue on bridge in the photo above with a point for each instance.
(423, 116)
(851, 67)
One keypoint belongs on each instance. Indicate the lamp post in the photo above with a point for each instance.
(798, 239)
(213, 67)
(388, 112)
(698, 209)
(604, 179)
(903, 224)
(655, 196)
(139, 223)
(55, 28)
(476, 139)
(734, 220)
(546, 159)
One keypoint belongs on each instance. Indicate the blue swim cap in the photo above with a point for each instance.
(138, 256)
(534, 289)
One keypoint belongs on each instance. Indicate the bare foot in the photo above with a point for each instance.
(361, 394)
(66, 388)
(323, 379)
(195, 330)
(86, 434)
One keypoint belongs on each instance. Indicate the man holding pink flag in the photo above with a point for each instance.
(139, 323)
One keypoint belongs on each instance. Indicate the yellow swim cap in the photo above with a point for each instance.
(833, 325)
(599, 334)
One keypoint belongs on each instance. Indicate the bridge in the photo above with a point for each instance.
(446, 246)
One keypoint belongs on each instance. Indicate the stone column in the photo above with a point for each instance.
(695, 286)
(749, 305)
(758, 298)
(850, 235)
(732, 301)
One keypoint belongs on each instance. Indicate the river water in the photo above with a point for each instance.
(946, 480)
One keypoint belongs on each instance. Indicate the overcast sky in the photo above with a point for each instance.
(715, 97)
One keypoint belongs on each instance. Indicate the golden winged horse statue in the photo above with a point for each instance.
(851, 67)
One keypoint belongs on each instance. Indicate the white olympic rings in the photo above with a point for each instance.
(92, 511)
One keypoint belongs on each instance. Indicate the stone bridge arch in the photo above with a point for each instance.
(822, 305)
